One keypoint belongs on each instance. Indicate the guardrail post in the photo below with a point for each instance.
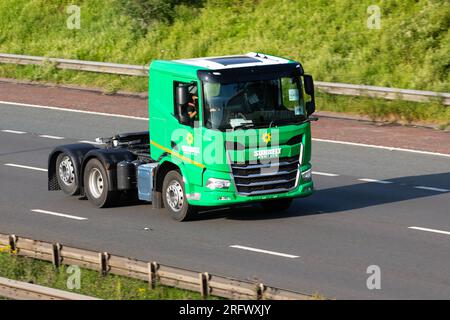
(13, 242)
(152, 274)
(204, 284)
(103, 259)
(56, 255)
(260, 289)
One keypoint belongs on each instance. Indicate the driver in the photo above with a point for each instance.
(193, 104)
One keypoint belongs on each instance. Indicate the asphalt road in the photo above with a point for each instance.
(323, 244)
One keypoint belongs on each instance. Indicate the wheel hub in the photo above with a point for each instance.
(174, 196)
(66, 171)
(96, 183)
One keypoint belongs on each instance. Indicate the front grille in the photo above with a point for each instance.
(258, 178)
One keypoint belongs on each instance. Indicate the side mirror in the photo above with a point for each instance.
(182, 95)
(181, 101)
(309, 84)
(309, 89)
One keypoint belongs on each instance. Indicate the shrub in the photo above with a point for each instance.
(146, 12)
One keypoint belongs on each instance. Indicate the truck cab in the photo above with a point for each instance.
(223, 131)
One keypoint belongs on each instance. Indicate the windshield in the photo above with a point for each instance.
(261, 103)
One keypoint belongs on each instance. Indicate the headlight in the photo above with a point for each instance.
(307, 175)
(213, 183)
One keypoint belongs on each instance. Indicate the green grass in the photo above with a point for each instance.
(92, 284)
(330, 38)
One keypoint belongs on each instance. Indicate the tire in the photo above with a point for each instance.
(174, 197)
(65, 174)
(96, 185)
(277, 205)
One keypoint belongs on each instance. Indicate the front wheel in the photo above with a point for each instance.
(174, 197)
(65, 173)
(277, 205)
(96, 185)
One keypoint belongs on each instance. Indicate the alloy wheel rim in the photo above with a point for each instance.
(174, 196)
(67, 171)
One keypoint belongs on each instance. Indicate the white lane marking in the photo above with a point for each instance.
(51, 137)
(383, 147)
(58, 214)
(430, 230)
(431, 189)
(14, 131)
(91, 142)
(265, 251)
(375, 181)
(146, 119)
(24, 167)
(71, 110)
(325, 174)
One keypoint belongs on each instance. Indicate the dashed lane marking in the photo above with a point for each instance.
(51, 137)
(430, 230)
(274, 253)
(14, 131)
(431, 189)
(375, 181)
(57, 214)
(25, 167)
(325, 174)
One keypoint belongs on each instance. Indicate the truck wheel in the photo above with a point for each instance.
(174, 197)
(276, 205)
(65, 173)
(96, 185)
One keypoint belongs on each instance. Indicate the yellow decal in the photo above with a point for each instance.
(189, 138)
(177, 154)
(267, 137)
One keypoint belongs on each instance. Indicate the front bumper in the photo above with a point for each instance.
(202, 196)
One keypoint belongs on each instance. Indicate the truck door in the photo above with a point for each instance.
(187, 140)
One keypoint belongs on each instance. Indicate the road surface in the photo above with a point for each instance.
(372, 207)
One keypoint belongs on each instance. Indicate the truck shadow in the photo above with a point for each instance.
(358, 195)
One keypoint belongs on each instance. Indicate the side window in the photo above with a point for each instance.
(189, 109)
(292, 95)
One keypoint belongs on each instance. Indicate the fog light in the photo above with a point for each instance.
(213, 184)
(307, 175)
(224, 198)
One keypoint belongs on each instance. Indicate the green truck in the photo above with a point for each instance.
(223, 131)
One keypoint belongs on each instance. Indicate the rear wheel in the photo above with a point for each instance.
(65, 173)
(174, 197)
(96, 185)
(276, 205)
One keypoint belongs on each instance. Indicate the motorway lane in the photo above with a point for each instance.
(345, 227)
(65, 123)
(343, 159)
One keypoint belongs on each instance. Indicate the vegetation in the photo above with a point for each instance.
(92, 283)
(331, 39)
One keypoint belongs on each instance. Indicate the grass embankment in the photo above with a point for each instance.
(92, 283)
(331, 39)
